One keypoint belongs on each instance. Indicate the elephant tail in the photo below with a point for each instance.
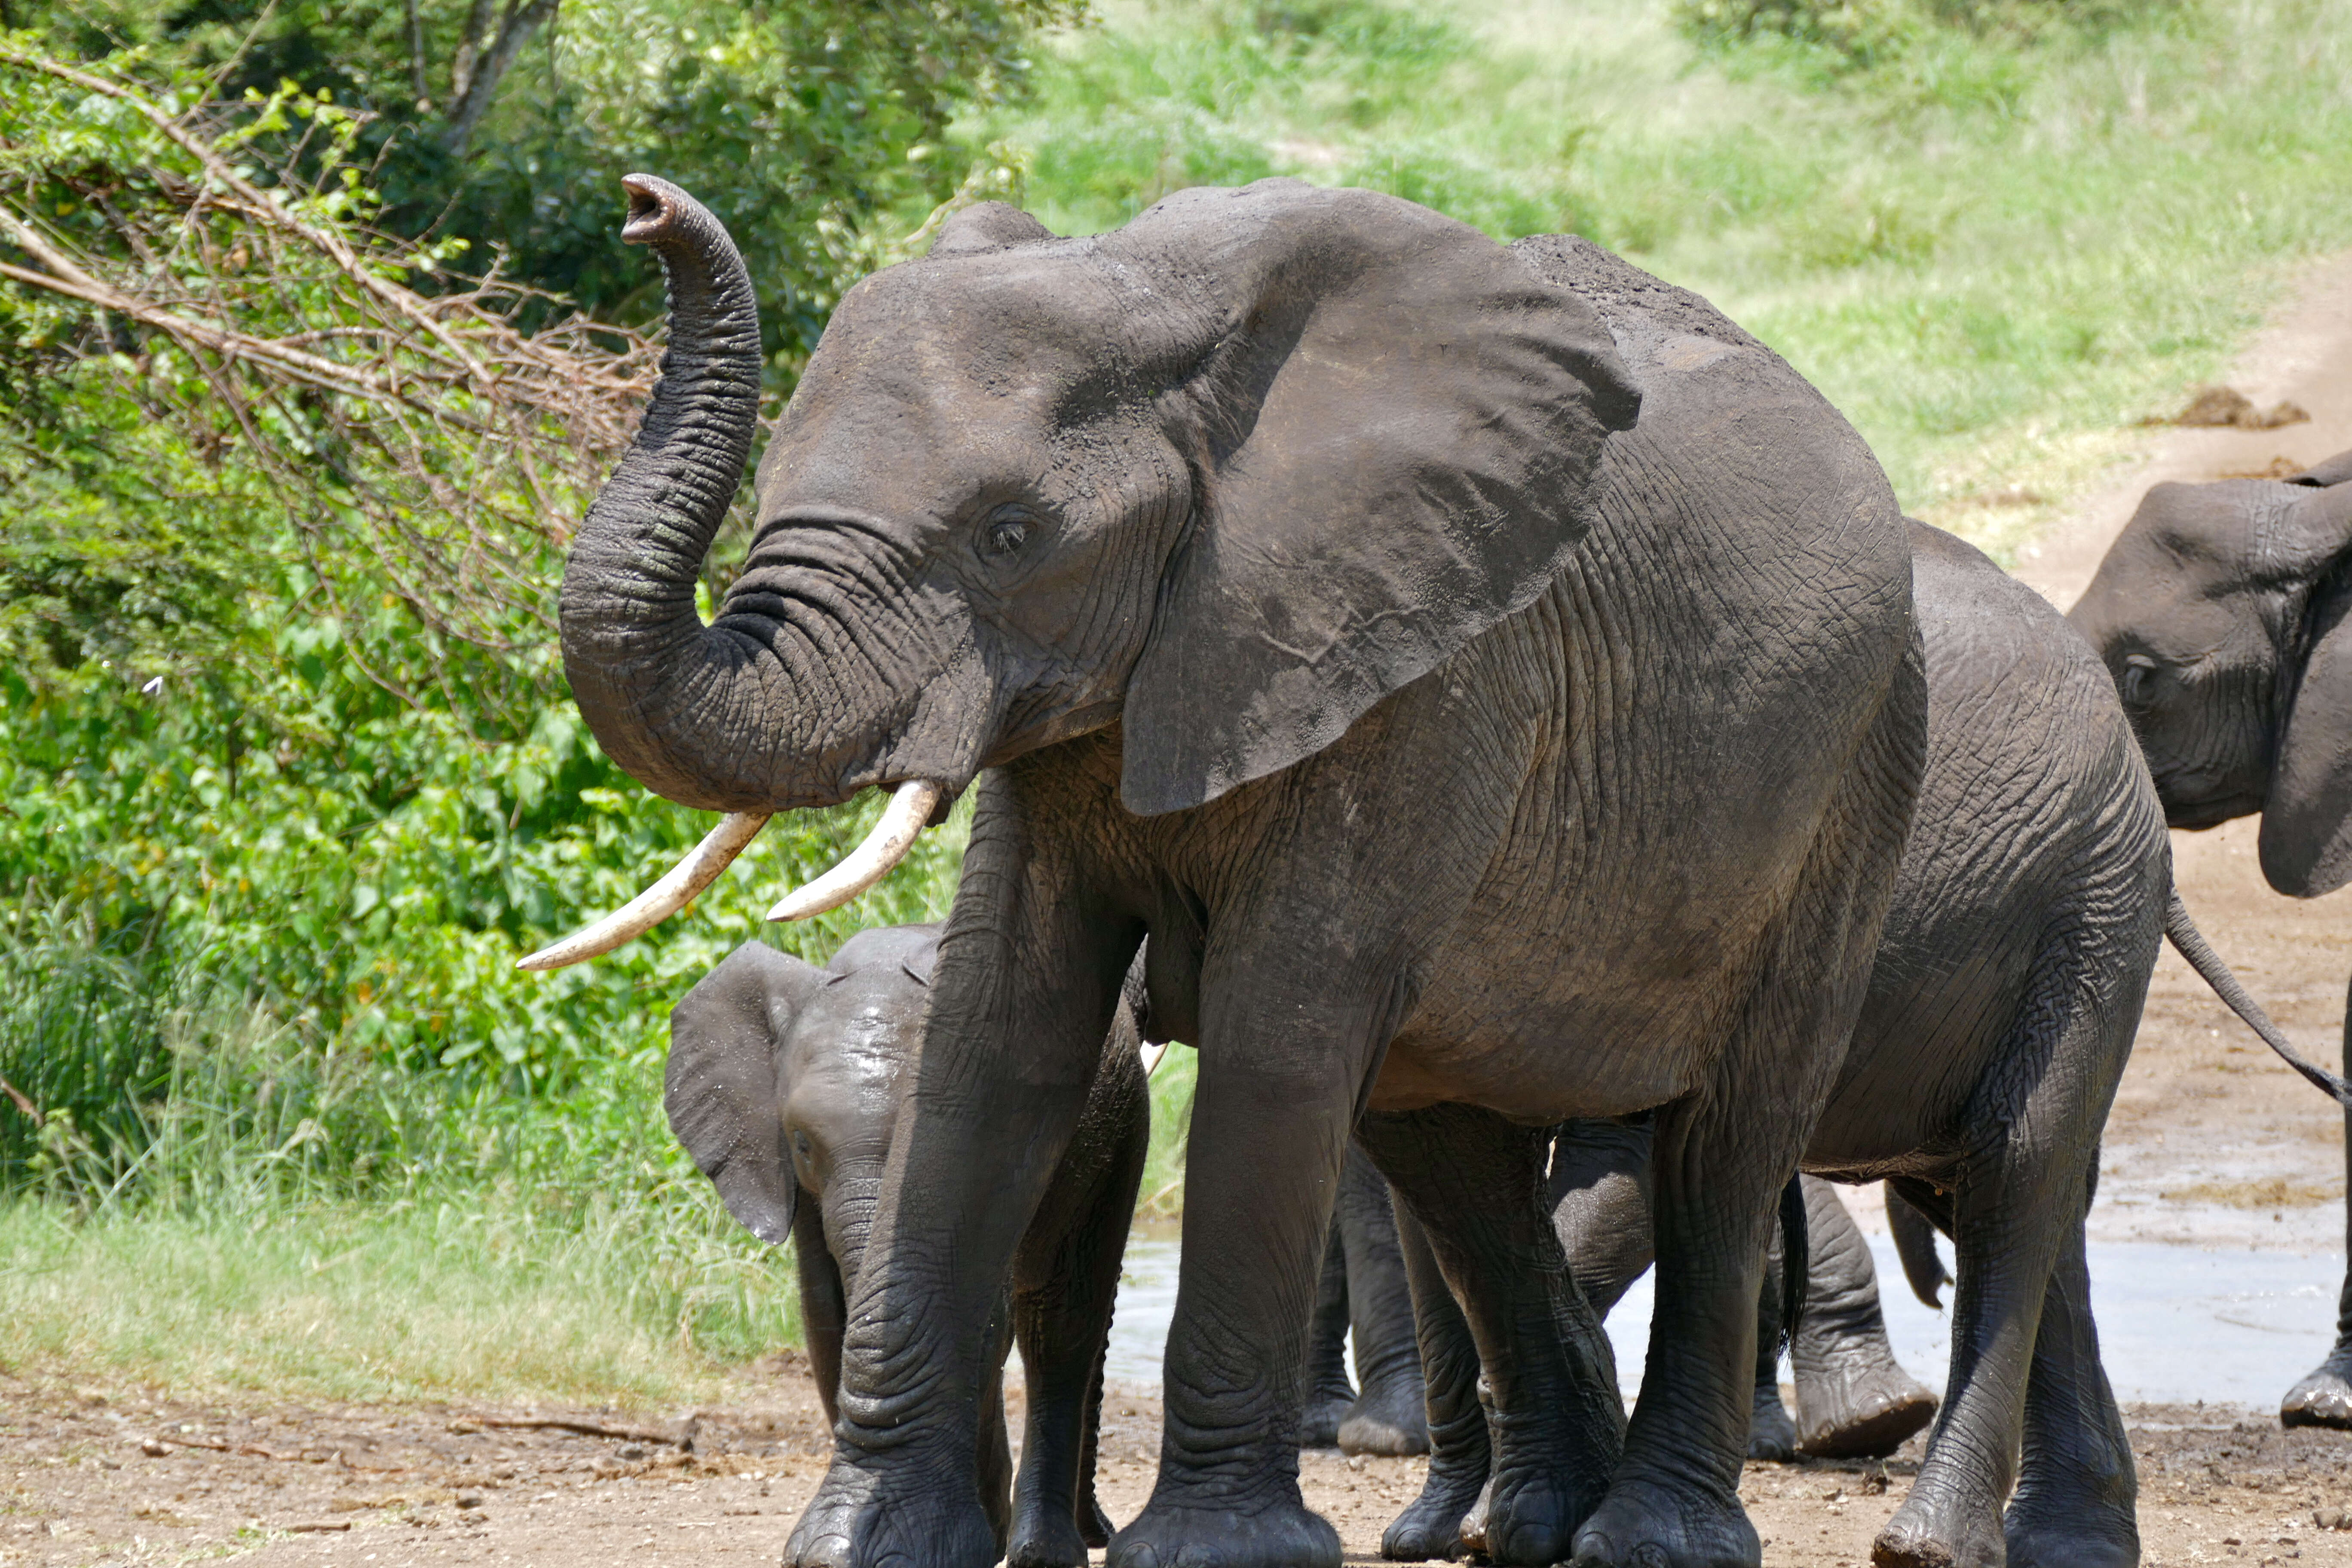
(1796, 1246)
(1914, 1244)
(2191, 944)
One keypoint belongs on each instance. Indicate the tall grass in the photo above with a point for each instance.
(1995, 251)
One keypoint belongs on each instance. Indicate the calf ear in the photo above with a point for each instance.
(2306, 835)
(1395, 432)
(725, 1093)
(2335, 471)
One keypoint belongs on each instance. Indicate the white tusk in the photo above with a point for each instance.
(664, 898)
(1152, 1057)
(902, 822)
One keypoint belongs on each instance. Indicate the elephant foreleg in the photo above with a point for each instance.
(2324, 1396)
(1329, 1393)
(1474, 1183)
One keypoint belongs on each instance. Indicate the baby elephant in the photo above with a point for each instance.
(785, 1083)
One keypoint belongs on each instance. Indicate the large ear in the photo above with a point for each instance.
(1396, 435)
(2307, 835)
(725, 1095)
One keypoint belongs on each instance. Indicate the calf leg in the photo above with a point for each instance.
(1474, 1182)
(1329, 1392)
(1853, 1401)
(1387, 1416)
(1460, 1456)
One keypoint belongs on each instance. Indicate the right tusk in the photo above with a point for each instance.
(664, 898)
(902, 822)
(1152, 1057)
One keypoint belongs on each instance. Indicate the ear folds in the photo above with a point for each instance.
(724, 1095)
(2306, 833)
(1398, 434)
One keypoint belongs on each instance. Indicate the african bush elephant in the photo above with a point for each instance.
(1491, 715)
(2221, 612)
(2032, 898)
(785, 1083)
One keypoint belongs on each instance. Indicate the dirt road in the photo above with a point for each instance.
(2212, 1142)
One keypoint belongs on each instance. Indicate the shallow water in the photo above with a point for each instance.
(2177, 1324)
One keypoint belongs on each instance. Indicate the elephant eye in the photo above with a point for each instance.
(801, 1144)
(2139, 676)
(1006, 529)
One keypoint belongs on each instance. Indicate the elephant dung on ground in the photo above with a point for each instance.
(786, 1082)
(1330, 595)
(2221, 613)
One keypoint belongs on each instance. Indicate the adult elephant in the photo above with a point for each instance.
(1295, 563)
(785, 1083)
(2221, 613)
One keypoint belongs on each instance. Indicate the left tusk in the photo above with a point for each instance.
(664, 898)
(1152, 1057)
(902, 823)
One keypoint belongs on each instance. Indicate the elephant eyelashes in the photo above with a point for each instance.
(2139, 674)
(1005, 531)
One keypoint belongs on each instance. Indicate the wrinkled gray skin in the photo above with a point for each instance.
(2027, 915)
(1472, 754)
(1364, 1288)
(785, 1083)
(2221, 612)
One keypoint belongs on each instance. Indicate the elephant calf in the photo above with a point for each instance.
(785, 1082)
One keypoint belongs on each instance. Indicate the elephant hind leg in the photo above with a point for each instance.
(1329, 1395)
(1460, 1454)
(2076, 1487)
(1853, 1399)
(1390, 1415)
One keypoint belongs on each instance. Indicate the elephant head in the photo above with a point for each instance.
(2221, 612)
(1227, 476)
(784, 1085)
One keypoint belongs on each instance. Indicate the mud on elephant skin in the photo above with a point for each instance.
(786, 1082)
(1368, 615)
(2221, 610)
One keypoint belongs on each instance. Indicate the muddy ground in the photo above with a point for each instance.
(2212, 1143)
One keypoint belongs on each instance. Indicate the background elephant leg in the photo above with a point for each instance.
(1474, 1183)
(1771, 1435)
(2015, 1199)
(994, 1460)
(821, 1302)
(1329, 1395)
(1598, 1188)
(1388, 1416)
(1066, 1281)
(2323, 1397)
(1853, 1401)
(1460, 1455)
(2076, 1486)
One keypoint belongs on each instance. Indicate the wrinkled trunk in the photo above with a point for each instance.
(704, 715)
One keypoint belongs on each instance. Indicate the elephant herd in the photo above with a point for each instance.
(1495, 711)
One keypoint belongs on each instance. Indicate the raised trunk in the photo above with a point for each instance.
(686, 709)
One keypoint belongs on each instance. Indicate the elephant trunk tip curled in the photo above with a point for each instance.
(653, 209)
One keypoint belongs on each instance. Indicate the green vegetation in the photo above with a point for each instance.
(288, 775)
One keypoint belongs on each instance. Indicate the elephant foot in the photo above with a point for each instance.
(1865, 1411)
(1046, 1540)
(1320, 1427)
(2323, 1397)
(1649, 1524)
(1431, 1528)
(2098, 1540)
(1529, 1517)
(1771, 1435)
(1924, 1535)
(1216, 1533)
(911, 1514)
(1388, 1417)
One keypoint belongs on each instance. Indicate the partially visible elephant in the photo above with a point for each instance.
(2222, 611)
(1363, 1291)
(2031, 901)
(1488, 677)
(786, 1082)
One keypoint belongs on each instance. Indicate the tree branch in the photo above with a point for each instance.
(482, 81)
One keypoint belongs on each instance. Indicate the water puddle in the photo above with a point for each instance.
(2177, 1324)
